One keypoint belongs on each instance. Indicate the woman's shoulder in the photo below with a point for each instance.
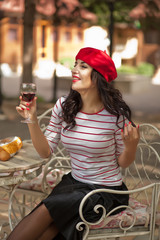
(57, 109)
(59, 102)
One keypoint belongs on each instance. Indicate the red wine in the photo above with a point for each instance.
(28, 97)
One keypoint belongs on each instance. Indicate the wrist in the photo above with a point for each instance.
(34, 119)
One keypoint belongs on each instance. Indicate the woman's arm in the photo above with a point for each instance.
(130, 136)
(39, 140)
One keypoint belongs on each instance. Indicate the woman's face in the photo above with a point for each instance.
(81, 77)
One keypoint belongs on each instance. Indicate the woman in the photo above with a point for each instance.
(94, 124)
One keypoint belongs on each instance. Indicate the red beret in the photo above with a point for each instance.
(99, 60)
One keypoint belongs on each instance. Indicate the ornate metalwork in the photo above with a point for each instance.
(142, 178)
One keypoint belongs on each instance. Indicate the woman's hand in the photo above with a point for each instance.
(130, 136)
(27, 108)
(38, 139)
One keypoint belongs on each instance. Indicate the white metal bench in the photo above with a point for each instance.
(142, 178)
(141, 217)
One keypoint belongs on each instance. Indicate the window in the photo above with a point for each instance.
(79, 36)
(43, 36)
(55, 36)
(67, 36)
(12, 34)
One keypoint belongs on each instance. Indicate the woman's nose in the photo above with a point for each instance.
(74, 70)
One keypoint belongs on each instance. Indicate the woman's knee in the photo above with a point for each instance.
(42, 213)
(50, 232)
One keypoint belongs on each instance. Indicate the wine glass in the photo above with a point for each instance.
(28, 91)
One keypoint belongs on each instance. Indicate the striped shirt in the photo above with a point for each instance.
(94, 145)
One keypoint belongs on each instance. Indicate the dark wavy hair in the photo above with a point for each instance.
(110, 96)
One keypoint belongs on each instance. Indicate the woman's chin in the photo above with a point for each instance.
(74, 86)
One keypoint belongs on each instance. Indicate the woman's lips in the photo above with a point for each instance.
(75, 79)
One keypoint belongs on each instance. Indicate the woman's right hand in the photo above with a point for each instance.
(27, 108)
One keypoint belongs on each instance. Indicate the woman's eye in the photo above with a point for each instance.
(75, 64)
(83, 66)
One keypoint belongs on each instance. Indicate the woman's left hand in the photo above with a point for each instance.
(130, 136)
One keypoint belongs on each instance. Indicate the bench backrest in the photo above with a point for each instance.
(143, 171)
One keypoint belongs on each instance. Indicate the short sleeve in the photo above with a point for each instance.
(53, 131)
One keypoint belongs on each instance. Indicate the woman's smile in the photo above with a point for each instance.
(75, 78)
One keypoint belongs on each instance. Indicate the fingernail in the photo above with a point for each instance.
(138, 125)
(125, 125)
(129, 122)
(27, 104)
(22, 108)
(27, 108)
(121, 130)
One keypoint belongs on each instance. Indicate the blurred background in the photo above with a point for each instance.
(40, 38)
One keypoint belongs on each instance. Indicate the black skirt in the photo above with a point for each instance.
(64, 200)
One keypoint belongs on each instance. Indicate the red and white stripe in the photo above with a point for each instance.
(94, 145)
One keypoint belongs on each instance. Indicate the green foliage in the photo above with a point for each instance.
(102, 9)
(127, 69)
(122, 9)
(67, 62)
(144, 68)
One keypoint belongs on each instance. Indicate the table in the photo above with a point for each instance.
(25, 165)
(18, 168)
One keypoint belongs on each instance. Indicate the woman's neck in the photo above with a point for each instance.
(91, 104)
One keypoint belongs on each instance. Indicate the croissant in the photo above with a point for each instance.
(9, 147)
(4, 156)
